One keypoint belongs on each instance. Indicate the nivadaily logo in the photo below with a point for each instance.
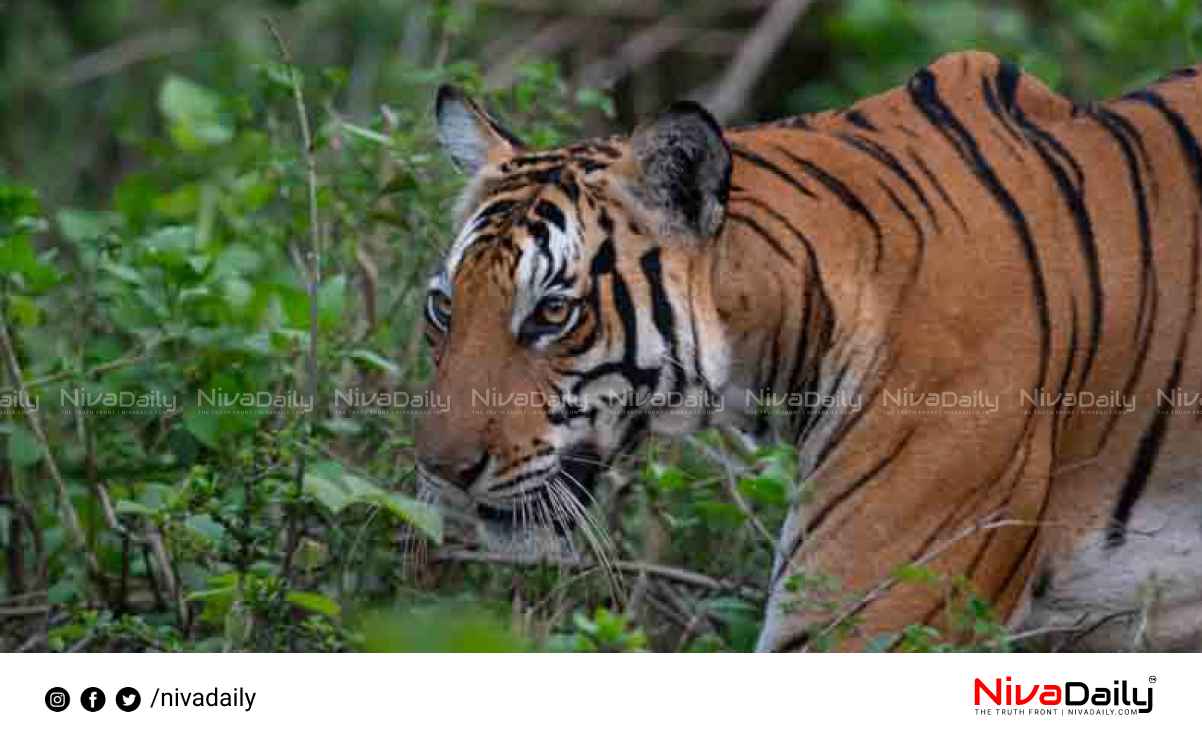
(1061, 698)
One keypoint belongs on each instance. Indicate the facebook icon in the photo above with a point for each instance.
(92, 699)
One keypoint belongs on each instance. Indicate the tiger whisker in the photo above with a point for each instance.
(598, 538)
(591, 537)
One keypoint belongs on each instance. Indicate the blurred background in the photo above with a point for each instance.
(79, 79)
(157, 242)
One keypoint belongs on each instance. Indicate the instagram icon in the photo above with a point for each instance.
(57, 699)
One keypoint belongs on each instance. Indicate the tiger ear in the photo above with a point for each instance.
(679, 170)
(468, 134)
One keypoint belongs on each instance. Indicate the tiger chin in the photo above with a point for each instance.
(968, 236)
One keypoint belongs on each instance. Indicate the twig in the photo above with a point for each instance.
(93, 475)
(666, 572)
(983, 525)
(83, 643)
(126, 53)
(23, 611)
(163, 560)
(98, 369)
(640, 50)
(14, 548)
(17, 598)
(549, 40)
(31, 642)
(314, 267)
(732, 489)
(70, 516)
(314, 263)
(729, 95)
(1071, 639)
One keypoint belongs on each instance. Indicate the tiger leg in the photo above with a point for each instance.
(844, 583)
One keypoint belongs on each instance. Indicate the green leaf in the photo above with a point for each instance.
(666, 478)
(24, 310)
(594, 98)
(17, 256)
(421, 516)
(331, 301)
(329, 493)
(915, 573)
(81, 226)
(315, 602)
(374, 360)
(205, 426)
(23, 449)
(204, 525)
(133, 508)
(366, 134)
(125, 273)
(766, 488)
(194, 114)
(336, 489)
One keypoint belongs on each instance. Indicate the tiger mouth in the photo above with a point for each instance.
(574, 478)
(519, 516)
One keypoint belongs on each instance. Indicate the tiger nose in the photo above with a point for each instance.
(457, 472)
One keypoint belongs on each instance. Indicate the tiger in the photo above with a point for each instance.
(977, 298)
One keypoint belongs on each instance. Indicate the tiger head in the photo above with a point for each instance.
(572, 313)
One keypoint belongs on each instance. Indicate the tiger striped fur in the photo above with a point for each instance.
(971, 239)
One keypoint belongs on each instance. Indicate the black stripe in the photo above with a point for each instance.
(886, 158)
(857, 118)
(1135, 136)
(827, 508)
(662, 314)
(755, 227)
(1145, 320)
(780, 218)
(930, 175)
(925, 95)
(1059, 420)
(498, 207)
(1150, 443)
(815, 291)
(551, 213)
(919, 235)
(604, 263)
(1185, 138)
(1007, 77)
(773, 168)
(852, 420)
(844, 194)
(1052, 152)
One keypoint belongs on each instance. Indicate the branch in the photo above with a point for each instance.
(640, 50)
(729, 95)
(547, 42)
(70, 515)
(314, 264)
(666, 572)
(124, 54)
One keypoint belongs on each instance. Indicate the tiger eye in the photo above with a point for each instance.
(554, 311)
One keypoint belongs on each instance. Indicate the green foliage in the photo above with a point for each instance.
(604, 632)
